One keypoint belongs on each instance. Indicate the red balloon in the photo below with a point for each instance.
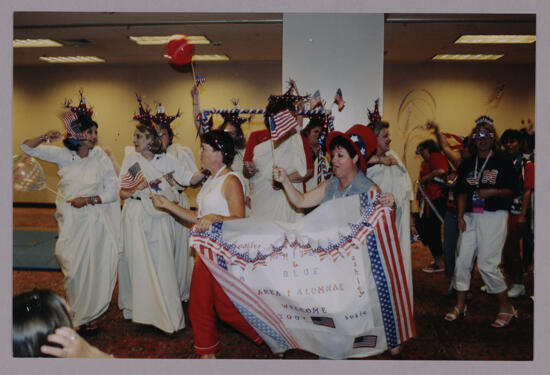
(179, 51)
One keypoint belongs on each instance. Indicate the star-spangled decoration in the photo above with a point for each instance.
(380, 279)
(221, 262)
(261, 326)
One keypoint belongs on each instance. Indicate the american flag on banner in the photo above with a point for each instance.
(455, 141)
(313, 294)
(132, 178)
(199, 81)
(281, 123)
(68, 118)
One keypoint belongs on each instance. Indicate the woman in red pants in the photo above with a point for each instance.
(221, 198)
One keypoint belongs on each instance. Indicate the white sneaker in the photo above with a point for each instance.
(483, 288)
(516, 290)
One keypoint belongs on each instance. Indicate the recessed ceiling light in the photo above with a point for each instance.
(496, 39)
(463, 57)
(157, 40)
(207, 57)
(210, 58)
(72, 59)
(18, 43)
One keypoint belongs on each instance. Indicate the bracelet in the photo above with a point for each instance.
(44, 138)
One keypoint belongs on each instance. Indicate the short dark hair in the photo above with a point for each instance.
(428, 144)
(511, 134)
(314, 122)
(156, 143)
(37, 314)
(221, 141)
(341, 141)
(84, 123)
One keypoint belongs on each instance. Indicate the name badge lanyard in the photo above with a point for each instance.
(476, 176)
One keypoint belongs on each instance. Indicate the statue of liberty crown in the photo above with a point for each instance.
(82, 109)
(374, 116)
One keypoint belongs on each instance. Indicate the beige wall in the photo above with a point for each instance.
(39, 94)
(460, 93)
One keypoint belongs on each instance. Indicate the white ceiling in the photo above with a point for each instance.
(249, 37)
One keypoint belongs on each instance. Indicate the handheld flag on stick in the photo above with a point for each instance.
(132, 178)
(69, 118)
(281, 124)
(315, 100)
(339, 100)
(199, 81)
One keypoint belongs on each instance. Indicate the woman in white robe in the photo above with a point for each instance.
(148, 284)
(389, 173)
(183, 255)
(88, 215)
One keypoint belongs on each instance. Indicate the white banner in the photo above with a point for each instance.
(332, 283)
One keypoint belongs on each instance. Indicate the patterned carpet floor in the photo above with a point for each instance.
(470, 339)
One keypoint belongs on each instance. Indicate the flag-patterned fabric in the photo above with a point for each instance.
(332, 283)
(200, 80)
(281, 123)
(68, 118)
(455, 141)
(132, 178)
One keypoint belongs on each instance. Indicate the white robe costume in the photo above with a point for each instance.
(183, 255)
(88, 244)
(395, 179)
(265, 202)
(148, 283)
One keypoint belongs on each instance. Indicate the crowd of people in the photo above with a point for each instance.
(475, 206)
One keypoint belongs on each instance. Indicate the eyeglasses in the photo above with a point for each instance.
(483, 134)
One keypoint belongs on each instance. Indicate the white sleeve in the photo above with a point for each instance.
(54, 154)
(110, 180)
(182, 174)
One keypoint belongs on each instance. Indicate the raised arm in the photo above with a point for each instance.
(49, 136)
(301, 200)
(454, 156)
(196, 108)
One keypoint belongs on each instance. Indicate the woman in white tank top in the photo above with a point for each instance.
(221, 198)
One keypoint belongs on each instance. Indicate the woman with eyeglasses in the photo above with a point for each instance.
(485, 187)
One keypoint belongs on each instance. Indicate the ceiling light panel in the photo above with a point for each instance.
(158, 40)
(72, 59)
(496, 39)
(465, 57)
(21, 43)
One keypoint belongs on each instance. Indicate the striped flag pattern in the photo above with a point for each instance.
(455, 141)
(281, 123)
(68, 118)
(376, 231)
(132, 178)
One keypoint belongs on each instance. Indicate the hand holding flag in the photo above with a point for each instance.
(339, 100)
(132, 178)
(199, 81)
(315, 100)
(71, 125)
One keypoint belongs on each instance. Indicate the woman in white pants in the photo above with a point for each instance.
(486, 185)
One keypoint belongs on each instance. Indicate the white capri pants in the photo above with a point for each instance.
(484, 237)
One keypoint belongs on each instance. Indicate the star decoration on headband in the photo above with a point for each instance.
(161, 118)
(82, 109)
(484, 119)
(374, 116)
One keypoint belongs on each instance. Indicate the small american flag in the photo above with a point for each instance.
(132, 178)
(339, 100)
(323, 321)
(200, 80)
(281, 123)
(315, 100)
(455, 141)
(368, 341)
(68, 118)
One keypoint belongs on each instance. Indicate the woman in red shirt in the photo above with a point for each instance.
(429, 228)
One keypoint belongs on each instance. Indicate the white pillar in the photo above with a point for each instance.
(331, 51)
